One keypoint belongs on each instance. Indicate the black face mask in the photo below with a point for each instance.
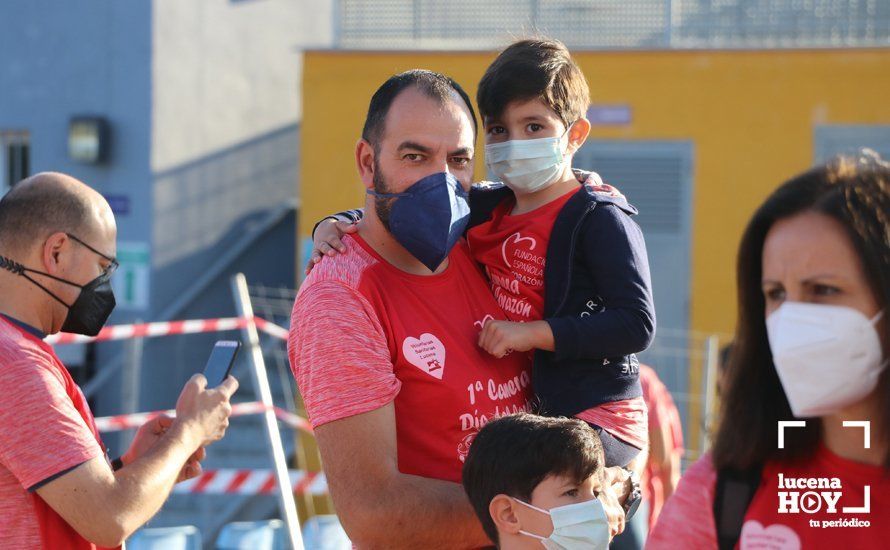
(87, 315)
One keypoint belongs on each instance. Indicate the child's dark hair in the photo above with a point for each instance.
(530, 69)
(513, 454)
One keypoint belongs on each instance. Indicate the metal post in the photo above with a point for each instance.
(416, 22)
(4, 171)
(337, 15)
(131, 379)
(264, 394)
(709, 390)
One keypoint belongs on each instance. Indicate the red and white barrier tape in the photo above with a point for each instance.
(128, 421)
(151, 330)
(251, 482)
(292, 420)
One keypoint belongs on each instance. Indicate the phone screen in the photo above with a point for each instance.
(220, 363)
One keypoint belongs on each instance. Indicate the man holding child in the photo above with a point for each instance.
(400, 350)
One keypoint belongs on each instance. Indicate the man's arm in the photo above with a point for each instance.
(106, 507)
(148, 435)
(381, 507)
(664, 455)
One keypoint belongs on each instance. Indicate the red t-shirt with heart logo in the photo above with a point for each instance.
(856, 514)
(512, 249)
(364, 334)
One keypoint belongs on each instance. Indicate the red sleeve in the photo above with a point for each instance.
(649, 382)
(41, 432)
(669, 414)
(676, 427)
(338, 353)
(663, 411)
(687, 519)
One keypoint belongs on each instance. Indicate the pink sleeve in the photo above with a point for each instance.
(41, 432)
(687, 519)
(338, 354)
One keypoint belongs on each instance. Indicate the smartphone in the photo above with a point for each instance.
(220, 363)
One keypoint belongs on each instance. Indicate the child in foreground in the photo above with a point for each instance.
(535, 481)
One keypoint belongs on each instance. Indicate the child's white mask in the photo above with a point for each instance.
(575, 526)
(527, 165)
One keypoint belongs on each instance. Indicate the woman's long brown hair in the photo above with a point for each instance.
(855, 191)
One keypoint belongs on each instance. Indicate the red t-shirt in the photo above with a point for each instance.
(687, 520)
(46, 428)
(365, 334)
(662, 412)
(513, 251)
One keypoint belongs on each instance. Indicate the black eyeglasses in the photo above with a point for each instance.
(112, 266)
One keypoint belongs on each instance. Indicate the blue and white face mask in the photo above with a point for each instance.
(579, 526)
(528, 165)
(429, 217)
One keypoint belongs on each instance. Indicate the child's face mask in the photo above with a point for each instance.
(583, 526)
(528, 165)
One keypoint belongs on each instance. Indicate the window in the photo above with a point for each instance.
(831, 140)
(15, 158)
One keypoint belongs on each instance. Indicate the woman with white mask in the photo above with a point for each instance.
(801, 455)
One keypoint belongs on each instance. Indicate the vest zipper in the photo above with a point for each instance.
(575, 231)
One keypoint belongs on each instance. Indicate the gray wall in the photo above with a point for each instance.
(60, 58)
(226, 78)
(203, 98)
(169, 362)
(226, 108)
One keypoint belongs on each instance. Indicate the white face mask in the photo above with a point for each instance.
(827, 357)
(528, 165)
(582, 526)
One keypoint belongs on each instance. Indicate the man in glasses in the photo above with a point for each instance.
(57, 488)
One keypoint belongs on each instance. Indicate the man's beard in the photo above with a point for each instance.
(382, 205)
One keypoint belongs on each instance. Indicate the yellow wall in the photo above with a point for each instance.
(750, 115)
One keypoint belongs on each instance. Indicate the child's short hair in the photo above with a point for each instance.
(513, 454)
(536, 68)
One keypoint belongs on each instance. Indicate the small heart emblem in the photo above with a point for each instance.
(426, 353)
(481, 324)
(513, 242)
(775, 537)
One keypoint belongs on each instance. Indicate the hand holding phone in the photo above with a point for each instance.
(222, 358)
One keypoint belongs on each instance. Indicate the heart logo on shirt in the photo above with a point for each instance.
(779, 537)
(426, 353)
(463, 448)
(515, 239)
(481, 324)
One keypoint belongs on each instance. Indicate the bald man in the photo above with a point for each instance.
(57, 487)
